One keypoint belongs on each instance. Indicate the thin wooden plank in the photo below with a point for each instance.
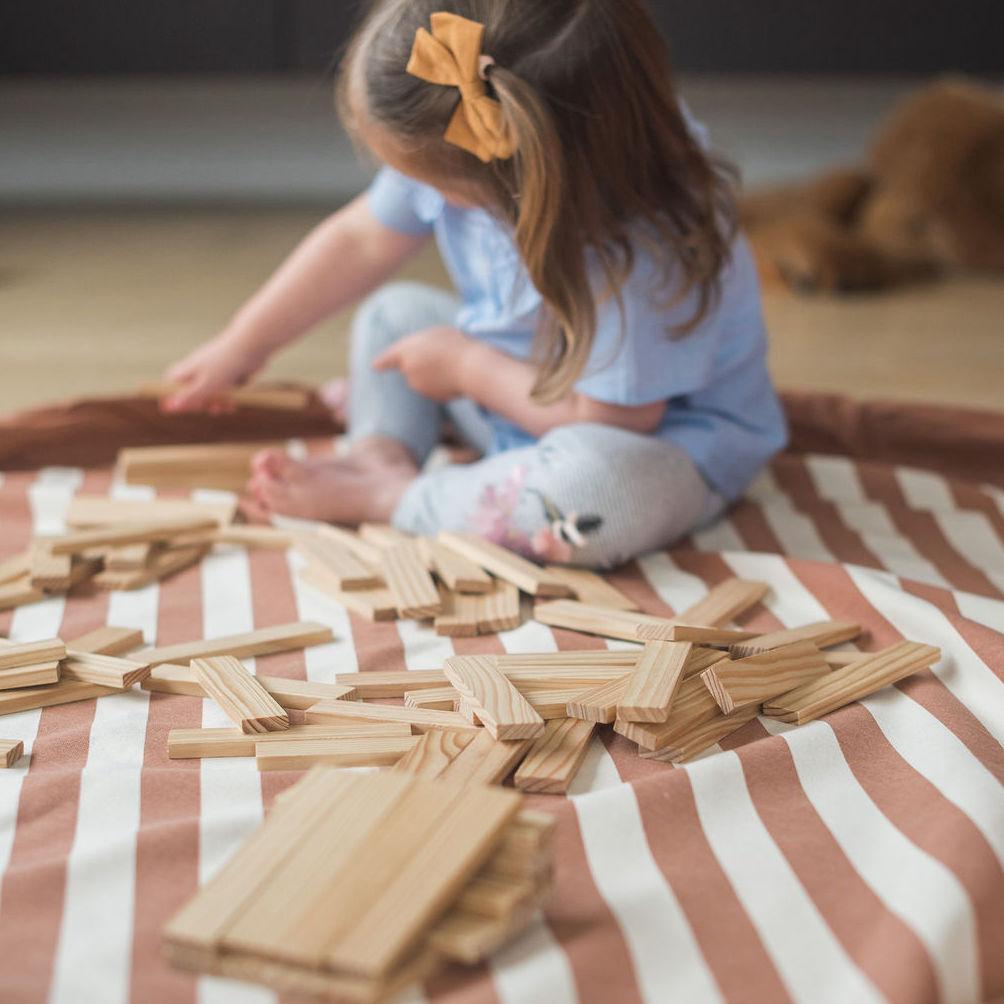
(737, 683)
(19, 677)
(614, 658)
(48, 571)
(187, 744)
(339, 564)
(373, 604)
(248, 396)
(101, 510)
(692, 705)
(225, 466)
(104, 670)
(598, 704)
(18, 593)
(63, 692)
(108, 640)
(455, 571)
(11, 750)
(460, 615)
(469, 938)
(603, 621)
(551, 704)
(724, 603)
(17, 566)
(162, 564)
(434, 752)
(383, 535)
(701, 737)
(554, 759)
(13, 656)
(79, 541)
(842, 686)
(589, 587)
(366, 552)
(506, 714)
(243, 699)
(409, 582)
(378, 684)
(263, 641)
(435, 698)
(695, 633)
(504, 564)
(489, 896)
(486, 760)
(129, 557)
(499, 609)
(821, 633)
(419, 719)
(654, 681)
(348, 751)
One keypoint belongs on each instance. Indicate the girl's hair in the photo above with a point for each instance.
(604, 153)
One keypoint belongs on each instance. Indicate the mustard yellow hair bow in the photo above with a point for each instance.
(451, 55)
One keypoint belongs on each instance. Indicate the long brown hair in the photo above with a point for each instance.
(604, 153)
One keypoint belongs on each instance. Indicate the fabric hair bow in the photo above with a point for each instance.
(451, 55)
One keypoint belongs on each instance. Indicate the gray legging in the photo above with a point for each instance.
(625, 493)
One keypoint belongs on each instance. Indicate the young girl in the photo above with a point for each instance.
(606, 350)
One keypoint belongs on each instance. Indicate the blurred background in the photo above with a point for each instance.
(157, 160)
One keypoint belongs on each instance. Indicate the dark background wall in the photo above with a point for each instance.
(283, 36)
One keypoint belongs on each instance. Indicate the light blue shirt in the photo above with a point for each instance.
(722, 408)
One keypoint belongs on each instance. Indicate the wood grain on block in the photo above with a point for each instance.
(419, 719)
(692, 705)
(64, 692)
(460, 615)
(554, 759)
(654, 681)
(243, 699)
(588, 587)
(837, 660)
(162, 564)
(504, 564)
(724, 603)
(373, 604)
(822, 634)
(251, 536)
(531, 832)
(18, 593)
(19, 677)
(263, 641)
(126, 533)
(469, 938)
(129, 557)
(377, 684)
(606, 658)
(551, 704)
(737, 683)
(250, 396)
(842, 686)
(384, 536)
(353, 751)
(490, 896)
(11, 750)
(486, 760)
(293, 695)
(499, 609)
(31, 653)
(346, 571)
(415, 594)
(225, 466)
(366, 552)
(186, 744)
(49, 571)
(434, 752)
(435, 698)
(108, 640)
(100, 510)
(699, 738)
(104, 670)
(603, 621)
(598, 704)
(502, 709)
(17, 566)
(453, 569)
(695, 633)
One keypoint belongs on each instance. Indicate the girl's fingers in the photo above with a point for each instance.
(389, 359)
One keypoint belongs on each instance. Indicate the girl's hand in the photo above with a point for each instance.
(206, 374)
(433, 361)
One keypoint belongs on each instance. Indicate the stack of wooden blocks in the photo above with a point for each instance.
(358, 885)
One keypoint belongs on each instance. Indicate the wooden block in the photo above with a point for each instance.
(63, 692)
(226, 466)
(434, 752)
(108, 640)
(419, 719)
(339, 564)
(603, 621)
(497, 703)
(13, 656)
(29, 676)
(555, 758)
(251, 536)
(859, 679)
(753, 680)
(384, 536)
(490, 896)
(821, 634)
(654, 681)
(130, 557)
(48, 571)
(264, 641)
(244, 700)
(551, 704)
(486, 760)
(367, 553)
(531, 832)
(374, 604)
(699, 738)
(104, 670)
(379, 684)
(460, 615)
(187, 744)
(692, 705)
(250, 396)
(837, 660)
(415, 594)
(162, 563)
(607, 658)
(724, 603)
(588, 587)
(455, 571)
(17, 566)
(357, 751)
(435, 699)
(11, 750)
(499, 609)
(100, 510)
(694, 633)
(18, 593)
(469, 938)
(504, 564)
(126, 533)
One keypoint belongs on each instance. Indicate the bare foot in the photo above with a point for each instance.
(340, 490)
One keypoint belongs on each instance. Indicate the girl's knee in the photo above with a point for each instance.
(394, 311)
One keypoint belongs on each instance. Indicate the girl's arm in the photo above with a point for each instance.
(339, 262)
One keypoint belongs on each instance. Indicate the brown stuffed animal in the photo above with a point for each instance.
(930, 201)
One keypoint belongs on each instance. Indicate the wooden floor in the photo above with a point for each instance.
(95, 301)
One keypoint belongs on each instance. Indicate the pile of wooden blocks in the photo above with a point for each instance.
(357, 886)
